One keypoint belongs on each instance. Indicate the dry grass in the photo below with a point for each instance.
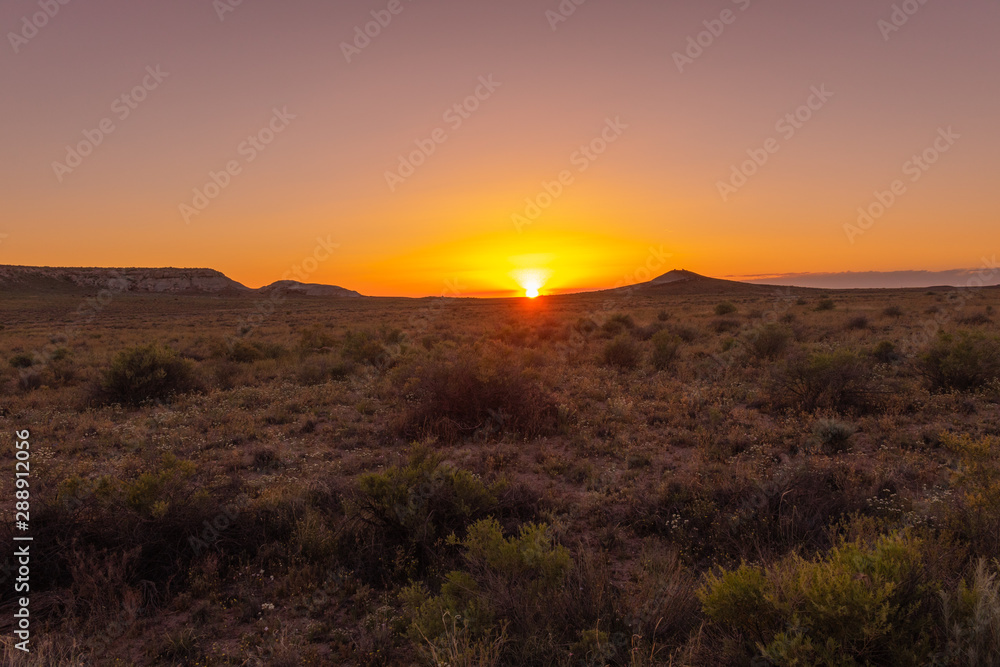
(656, 438)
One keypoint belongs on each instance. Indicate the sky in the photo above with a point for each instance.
(485, 148)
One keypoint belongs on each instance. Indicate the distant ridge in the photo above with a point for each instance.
(292, 287)
(43, 279)
(681, 281)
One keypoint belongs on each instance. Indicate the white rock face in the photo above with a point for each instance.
(166, 281)
(155, 281)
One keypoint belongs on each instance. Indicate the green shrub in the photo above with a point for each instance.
(517, 578)
(964, 362)
(860, 604)
(665, 347)
(725, 308)
(146, 373)
(412, 509)
(623, 353)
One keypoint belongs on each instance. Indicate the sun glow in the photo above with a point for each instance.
(532, 280)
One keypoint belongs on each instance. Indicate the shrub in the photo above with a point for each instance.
(648, 331)
(893, 311)
(770, 341)
(885, 352)
(825, 304)
(725, 308)
(364, 347)
(964, 362)
(616, 324)
(725, 326)
(412, 509)
(971, 619)
(146, 373)
(22, 360)
(663, 316)
(840, 381)
(975, 319)
(859, 604)
(833, 436)
(858, 322)
(516, 578)
(665, 346)
(622, 353)
(475, 395)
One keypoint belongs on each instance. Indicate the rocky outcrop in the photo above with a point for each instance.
(294, 288)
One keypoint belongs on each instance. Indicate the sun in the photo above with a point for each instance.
(531, 281)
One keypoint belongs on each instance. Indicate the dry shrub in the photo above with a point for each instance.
(472, 394)
(623, 353)
(964, 362)
(146, 373)
(842, 380)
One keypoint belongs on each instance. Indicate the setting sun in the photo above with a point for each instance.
(532, 280)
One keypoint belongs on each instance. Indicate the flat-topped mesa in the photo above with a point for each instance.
(159, 281)
(293, 287)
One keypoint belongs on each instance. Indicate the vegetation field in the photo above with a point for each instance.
(767, 477)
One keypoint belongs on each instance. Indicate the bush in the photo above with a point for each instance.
(893, 311)
(964, 362)
(825, 304)
(770, 341)
(858, 322)
(833, 436)
(885, 352)
(622, 353)
(725, 326)
(665, 346)
(22, 361)
(146, 373)
(971, 619)
(841, 381)
(412, 509)
(616, 325)
(858, 605)
(473, 395)
(725, 308)
(516, 578)
(364, 347)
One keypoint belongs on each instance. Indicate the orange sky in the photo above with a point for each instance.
(608, 74)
